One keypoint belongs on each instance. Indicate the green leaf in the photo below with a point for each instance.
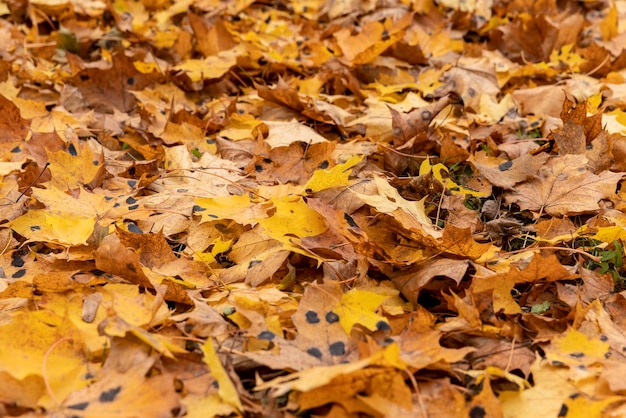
(540, 308)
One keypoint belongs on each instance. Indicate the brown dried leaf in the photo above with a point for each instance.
(565, 186)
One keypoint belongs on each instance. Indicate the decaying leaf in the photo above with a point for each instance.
(406, 208)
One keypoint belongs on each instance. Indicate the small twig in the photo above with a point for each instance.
(510, 361)
(597, 259)
(439, 206)
(6, 247)
(44, 367)
(419, 157)
(418, 394)
(33, 182)
(599, 65)
(351, 279)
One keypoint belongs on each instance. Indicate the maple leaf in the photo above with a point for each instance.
(31, 335)
(564, 185)
(349, 195)
(123, 388)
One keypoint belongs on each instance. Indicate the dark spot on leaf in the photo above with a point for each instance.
(505, 166)
(385, 35)
(266, 335)
(110, 395)
(210, 215)
(97, 272)
(577, 355)
(134, 229)
(312, 318)
(17, 261)
(350, 220)
(604, 338)
(253, 263)
(258, 168)
(324, 164)
(574, 395)
(557, 363)
(337, 349)
(16, 150)
(132, 183)
(332, 317)
(130, 200)
(72, 150)
(315, 352)
(471, 92)
(84, 77)
(19, 273)
(477, 412)
(382, 326)
(267, 161)
(563, 411)
(79, 406)
(388, 341)
(426, 115)
(197, 208)
(133, 207)
(116, 205)
(181, 190)
(130, 267)
(130, 81)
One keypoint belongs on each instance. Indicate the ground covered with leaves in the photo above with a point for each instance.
(402, 208)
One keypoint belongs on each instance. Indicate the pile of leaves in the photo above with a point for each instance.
(403, 208)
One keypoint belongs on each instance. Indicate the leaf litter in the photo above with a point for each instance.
(312, 208)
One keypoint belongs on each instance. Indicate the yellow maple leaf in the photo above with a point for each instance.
(227, 390)
(238, 208)
(199, 405)
(65, 229)
(292, 217)
(610, 233)
(212, 67)
(242, 127)
(334, 177)
(567, 56)
(25, 342)
(358, 307)
(438, 170)
(573, 347)
(76, 167)
(587, 407)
